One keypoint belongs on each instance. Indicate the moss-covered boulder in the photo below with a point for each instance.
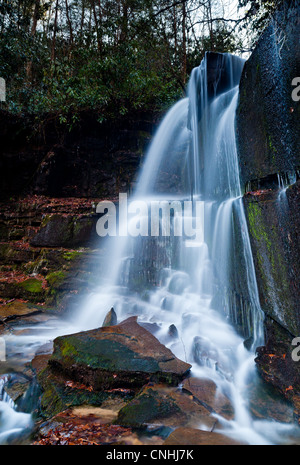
(59, 393)
(121, 356)
(91, 367)
(164, 406)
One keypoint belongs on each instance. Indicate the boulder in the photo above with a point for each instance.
(61, 230)
(124, 355)
(110, 319)
(173, 332)
(60, 393)
(164, 406)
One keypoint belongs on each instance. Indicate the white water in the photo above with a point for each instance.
(184, 290)
(166, 283)
(12, 423)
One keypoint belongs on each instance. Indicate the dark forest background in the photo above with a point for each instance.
(60, 57)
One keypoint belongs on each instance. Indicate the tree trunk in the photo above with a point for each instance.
(53, 49)
(124, 22)
(98, 33)
(184, 44)
(69, 23)
(35, 17)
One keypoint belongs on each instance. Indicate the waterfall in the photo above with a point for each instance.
(193, 155)
(182, 255)
(205, 288)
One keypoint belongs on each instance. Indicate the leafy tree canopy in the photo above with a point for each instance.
(112, 56)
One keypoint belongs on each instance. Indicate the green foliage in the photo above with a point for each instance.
(113, 56)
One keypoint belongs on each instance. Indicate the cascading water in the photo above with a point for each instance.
(163, 281)
(12, 422)
(205, 287)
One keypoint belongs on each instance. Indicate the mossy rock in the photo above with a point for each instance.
(58, 394)
(165, 406)
(17, 309)
(32, 285)
(120, 356)
(65, 231)
(274, 227)
(56, 279)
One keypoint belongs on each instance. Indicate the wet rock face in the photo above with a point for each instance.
(221, 72)
(49, 250)
(274, 226)
(268, 132)
(268, 140)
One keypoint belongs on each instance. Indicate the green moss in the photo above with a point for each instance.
(56, 279)
(257, 225)
(32, 285)
(72, 255)
(273, 151)
(270, 256)
(78, 225)
(51, 401)
(68, 349)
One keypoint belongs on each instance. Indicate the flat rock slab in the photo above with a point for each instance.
(124, 355)
(196, 437)
(17, 308)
